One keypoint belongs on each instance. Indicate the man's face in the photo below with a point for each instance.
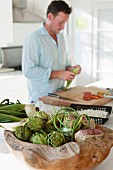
(57, 23)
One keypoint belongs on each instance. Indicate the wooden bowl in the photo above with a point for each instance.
(85, 155)
(8, 126)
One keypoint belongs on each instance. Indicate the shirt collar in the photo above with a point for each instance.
(44, 31)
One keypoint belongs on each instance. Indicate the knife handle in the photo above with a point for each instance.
(53, 95)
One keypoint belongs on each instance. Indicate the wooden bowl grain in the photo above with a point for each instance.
(85, 155)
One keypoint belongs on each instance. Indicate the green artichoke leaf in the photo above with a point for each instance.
(22, 132)
(49, 127)
(55, 138)
(75, 71)
(39, 138)
(35, 124)
(43, 115)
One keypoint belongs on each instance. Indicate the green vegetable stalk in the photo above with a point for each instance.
(75, 70)
(9, 118)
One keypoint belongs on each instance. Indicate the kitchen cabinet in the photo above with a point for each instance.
(11, 56)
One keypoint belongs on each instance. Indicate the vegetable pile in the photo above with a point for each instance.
(53, 130)
(11, 112)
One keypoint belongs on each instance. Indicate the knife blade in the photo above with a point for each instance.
(60, 97)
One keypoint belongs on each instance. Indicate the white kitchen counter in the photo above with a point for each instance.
(8, 161)
(13, 164)
(106, 83)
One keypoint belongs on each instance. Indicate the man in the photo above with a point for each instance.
(44, 59)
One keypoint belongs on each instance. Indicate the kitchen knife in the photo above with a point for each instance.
(60, 97)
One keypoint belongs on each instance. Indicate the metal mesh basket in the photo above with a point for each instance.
(98, 120)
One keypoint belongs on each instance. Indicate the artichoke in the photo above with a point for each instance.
(75, 71)
(22, 132)
(49, 127)
(39, 138)
(42, 115)
(35, 124)
(55, 138)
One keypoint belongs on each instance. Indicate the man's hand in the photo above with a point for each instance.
(70, 68)
(65, 74)
(62, 75)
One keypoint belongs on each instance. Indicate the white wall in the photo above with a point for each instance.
(81, 37)
(5, 22)
(14, 34)
(21, 30)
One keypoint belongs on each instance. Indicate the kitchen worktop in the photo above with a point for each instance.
(13, 164)
(75, 95)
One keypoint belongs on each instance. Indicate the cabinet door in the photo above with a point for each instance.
(102, 65)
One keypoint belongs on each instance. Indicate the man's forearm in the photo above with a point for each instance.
(62, 75)
(55, 74)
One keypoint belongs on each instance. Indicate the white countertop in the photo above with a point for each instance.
(106, 83)
(14, 164)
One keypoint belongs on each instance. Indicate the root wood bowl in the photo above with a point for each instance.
(85, 155)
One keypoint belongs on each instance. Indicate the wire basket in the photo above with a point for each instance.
(98, 120)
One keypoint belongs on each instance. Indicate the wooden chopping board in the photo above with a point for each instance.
(75, 93)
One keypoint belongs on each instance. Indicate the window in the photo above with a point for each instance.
(102, 63)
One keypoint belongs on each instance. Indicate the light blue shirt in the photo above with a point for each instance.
(40, 56)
